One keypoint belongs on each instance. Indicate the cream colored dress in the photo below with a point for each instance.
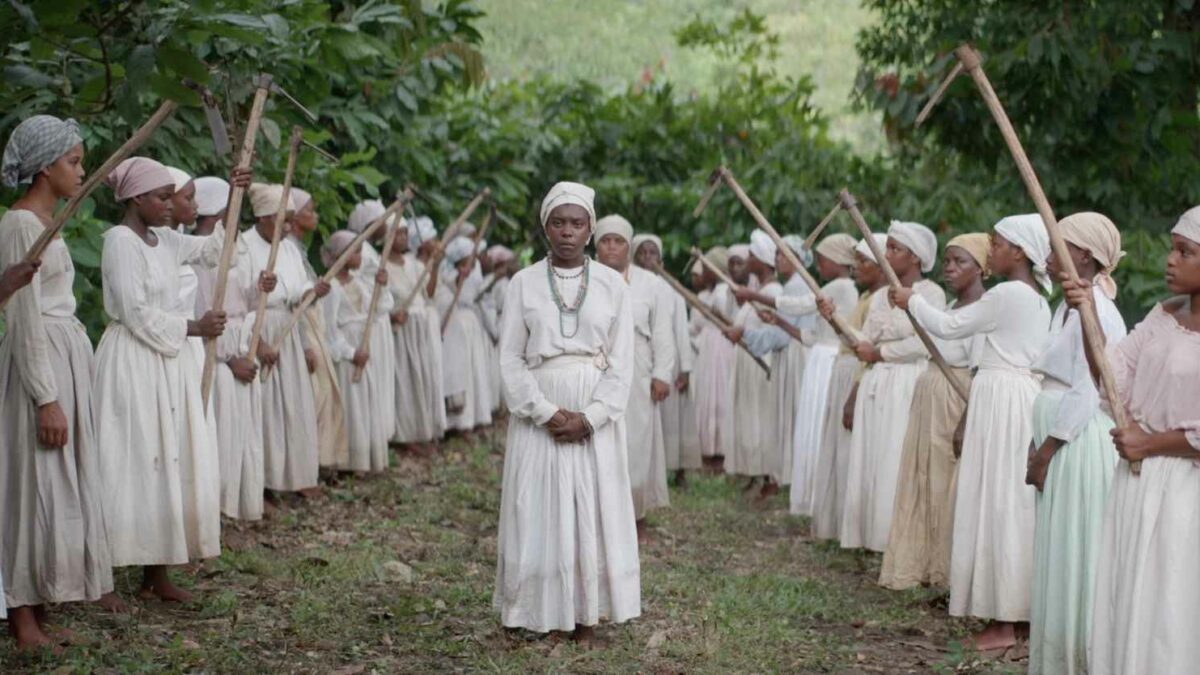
(162, 489)
(465, 376)
(751, 447)
(420, 408)
(654, 352)
(53, 541)
(567, 547)
(680, 438)
(711, 385)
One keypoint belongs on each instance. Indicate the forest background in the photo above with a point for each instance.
(642, 99)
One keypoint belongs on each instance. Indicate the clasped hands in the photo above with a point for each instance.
(568, 427)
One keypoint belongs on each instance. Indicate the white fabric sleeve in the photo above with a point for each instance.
(911, 349)
(977, 317)
(521, 391)
(340, 348)
(611, 395)
(662, 339)
(1082, 400)
(201, 251)
(125, 274)
(30, 349)
(796, 305)
(683, 342)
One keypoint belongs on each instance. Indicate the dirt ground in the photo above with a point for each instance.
(393, 574)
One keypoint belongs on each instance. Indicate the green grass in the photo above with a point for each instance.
(727, 586)
(612, 42)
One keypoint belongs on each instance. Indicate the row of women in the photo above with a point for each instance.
(1000, 478)
(112, 458)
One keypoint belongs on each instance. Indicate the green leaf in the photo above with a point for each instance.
(182, 63)
(140, 64)
(22, 75)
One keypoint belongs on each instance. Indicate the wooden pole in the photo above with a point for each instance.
(811, 239)
(377, 290)
(717, 318)
(1093, 336)
(851, 206)
(232, 214)
(458, 286)
(843, 329)
(93, 181)
(276, 237)
(436, 259)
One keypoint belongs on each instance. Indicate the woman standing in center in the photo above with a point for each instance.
(567, 546)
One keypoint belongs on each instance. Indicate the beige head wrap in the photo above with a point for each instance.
(136, 176)
(640, 239)
(1095, 233)
(335, 245)
(977, 244)
(264, 199)
(1188, 226)
(613, 224)
(865, 249)
(839, 248)
(738, 251)
(569, 193)
(719, 257)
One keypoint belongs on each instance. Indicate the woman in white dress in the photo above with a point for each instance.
(991, 558)
(567, 547)
(420, 410)
(236, 393)
(752, 446)
(1147, 594)
(333, 447)
(291, 458)
(918, 550)
(715, 356)
(1073, 466)
(832, 464)
(896, 358)
(465, 377)
(383, 356)
(654, 367)
(370, 413)
(53, 544)
(162, 490)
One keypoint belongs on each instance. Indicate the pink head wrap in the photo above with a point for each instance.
(137, 176)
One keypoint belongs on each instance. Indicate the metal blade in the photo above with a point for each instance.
(212, 115)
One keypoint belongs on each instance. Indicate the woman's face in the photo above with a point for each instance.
(783, 265)
(183, 205)
(1080, 257)
(66, 173)
(648, 255)
(1004, 256)
(827, 268)
(305, 220)
(400, 243)
(464, 266)
(866, 271)
(613, 251)
(355, 259)
(959, 269)
(568, 229)
(1183, 266)
(901, 258)
(155, 208)
(739, 270)
(696, 278)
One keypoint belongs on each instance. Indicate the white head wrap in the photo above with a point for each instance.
(1188, 226)
(467, 229)
(299, 198)
(640, 239)
(212, 195)
(458, 250)
(796, 244)
(1028, 233)
(181, 177)
(421, 230)
(569, 193)
(739, 251)
(614, 224)
(918, 239)
(481, 247)
(265, 199)
(839, 248)
(335, 245)
(864, 248)
(762, 247)
(364, 214)
(500, 254)
(34, 145)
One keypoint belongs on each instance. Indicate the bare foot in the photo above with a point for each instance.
(997, 635)
(311, 492)
(27, 631)
(584, 634)
(750, 485)
(156, 584)
(643, 532)
(681, 479)
(112, 603)
(769, 488)
(66, 636)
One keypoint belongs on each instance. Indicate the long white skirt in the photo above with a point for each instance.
(710, 384)
(158, 454)
(833, 459)
(749, 445)
(237, 408)
(647, 456)
(1147, 591)
(567, 547)
(420, 409)
(53, 544)
(680, 435)
(370, 411)
(466, 373)
(991, 557)
(885, 396)
(290, 454)
(333, 448)
(806, 434)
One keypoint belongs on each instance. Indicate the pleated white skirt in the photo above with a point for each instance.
(810, 418)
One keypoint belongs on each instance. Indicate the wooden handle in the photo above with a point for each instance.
(843, 329)
(811, 239)
(376, 291)
(276, 236)
(458, 286)
(232, 214)
(717, 319)
(93, 181)
(434, 260)
(1093, 336)
(850, 205)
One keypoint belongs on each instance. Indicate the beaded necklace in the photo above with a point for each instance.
(565, 310)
